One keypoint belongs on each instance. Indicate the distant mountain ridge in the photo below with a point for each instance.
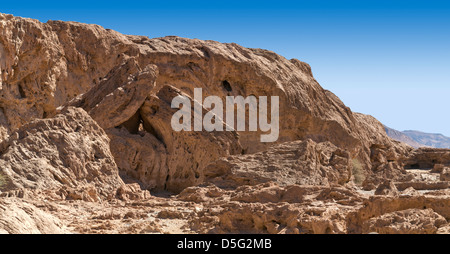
(419, 139)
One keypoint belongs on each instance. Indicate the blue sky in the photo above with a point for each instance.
(390, 59)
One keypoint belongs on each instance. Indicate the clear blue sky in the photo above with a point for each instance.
(390, 59)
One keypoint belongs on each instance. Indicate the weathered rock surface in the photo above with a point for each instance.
(119, 95)
(17, 217)
(44, 66)
(67, 151)
(411, 221)
(445, 175)
(298, 162)
(427, 158)
(85, 110)
(161, 158)
(386, 188)
(188, 153)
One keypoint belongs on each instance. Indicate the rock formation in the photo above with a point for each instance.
(86, 116)
(298, 162)
(67, 151)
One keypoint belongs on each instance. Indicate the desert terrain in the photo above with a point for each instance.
(86, 144)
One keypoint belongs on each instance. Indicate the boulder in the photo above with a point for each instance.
(69, 150)
(19, 217)
(298, 162)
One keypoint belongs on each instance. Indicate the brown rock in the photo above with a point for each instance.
(19, 217)
(46, 65)
(386, 188)
(269, 192)
(118, 96)
(427, 158)
(299, 162)
(410, 191)
(445, 174)
(438, 168)
(186, 153)
(132, 192)
(411, 221)
(140, 157)
(66, 170)
(67, 150)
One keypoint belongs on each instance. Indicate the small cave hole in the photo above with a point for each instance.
(22, 92)
(227, 86)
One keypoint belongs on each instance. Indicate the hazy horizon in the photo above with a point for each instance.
(389, 59)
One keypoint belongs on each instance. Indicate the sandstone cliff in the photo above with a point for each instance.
(122, 79)
(86, 117)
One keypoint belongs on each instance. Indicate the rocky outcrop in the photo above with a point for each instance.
(44, 66)
(299, 162)
(67, 151)
(427, 158)
(411, 221)
(18, 217)
(161, 158)
(386, 188)
(188, 153)
(118, 96)
(445, 175)
(376, 206)
(85, 125)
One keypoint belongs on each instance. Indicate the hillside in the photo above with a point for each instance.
(87, 143)
(429, 139)
(419, 139)
(402, 137)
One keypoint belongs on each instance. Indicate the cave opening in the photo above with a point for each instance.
(22, 92)
(227, 86)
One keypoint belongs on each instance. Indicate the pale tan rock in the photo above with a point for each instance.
(411, 221)
(18, 217)
(140, 156)
(427, 158)
(445, 174)
(377, 206)
(437, 168)
(132, 192)
(118, 96)
(410, 191)
(387, 188)
(188, 153)
(299, 162)
(269, 193)
(68, 150)
(307, 182)
(46, 65)
(444, 230)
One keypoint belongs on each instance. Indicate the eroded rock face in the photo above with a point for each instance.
(67, 151)
(299, 162)
(84, 109)
(161, 158)
(118, 96)
(44, 66)
(18, 217)
(411, 221)
(445, 175)
(427, 158)
(386, 188)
